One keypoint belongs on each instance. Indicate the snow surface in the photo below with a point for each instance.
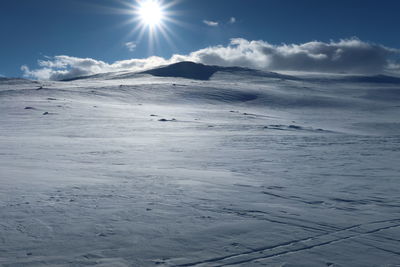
(240, 170)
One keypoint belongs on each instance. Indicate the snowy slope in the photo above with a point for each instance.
(242, 169)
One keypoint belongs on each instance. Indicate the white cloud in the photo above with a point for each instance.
(131, 46)
(232, 20)
(349, 55)
(211, 23)
(66, 67)
(394, 66)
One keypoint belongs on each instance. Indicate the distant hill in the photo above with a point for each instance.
(5, 80)
(185, 69)
(373, 79)
(197, 71)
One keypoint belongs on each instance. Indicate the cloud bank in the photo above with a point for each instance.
(344, 56)
(66, 67)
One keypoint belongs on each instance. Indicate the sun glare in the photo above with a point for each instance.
(150, 12)
(152, 18)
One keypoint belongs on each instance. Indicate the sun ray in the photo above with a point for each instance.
(165, 33)
(150, 18)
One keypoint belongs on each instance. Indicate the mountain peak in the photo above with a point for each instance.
(185, 69)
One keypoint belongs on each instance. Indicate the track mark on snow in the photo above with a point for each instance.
(299, 245)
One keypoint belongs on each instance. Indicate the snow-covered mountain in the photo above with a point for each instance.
(188, 70)
(197, 71)
(194, 165)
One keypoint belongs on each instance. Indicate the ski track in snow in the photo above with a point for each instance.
(303, 244)
(240, 170)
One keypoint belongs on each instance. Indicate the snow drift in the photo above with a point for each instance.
(210, 166)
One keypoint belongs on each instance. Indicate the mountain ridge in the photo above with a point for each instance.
(198, 71)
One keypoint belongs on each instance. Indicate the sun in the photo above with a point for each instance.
(155, 19)
(151, 18)
(151, 13)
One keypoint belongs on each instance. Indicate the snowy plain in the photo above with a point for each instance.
(243, 169)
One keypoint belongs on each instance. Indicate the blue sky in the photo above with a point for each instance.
(33, 30)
